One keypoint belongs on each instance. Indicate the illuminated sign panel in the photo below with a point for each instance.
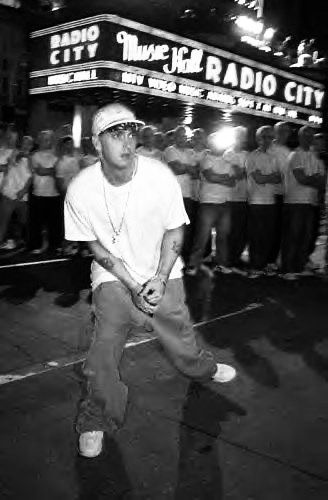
(115, 52)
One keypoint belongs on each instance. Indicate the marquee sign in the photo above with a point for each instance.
(108, 51)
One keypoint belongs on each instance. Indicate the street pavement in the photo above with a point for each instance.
(261, 437)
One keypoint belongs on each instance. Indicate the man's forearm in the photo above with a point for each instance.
(171, 249)
(113, 264)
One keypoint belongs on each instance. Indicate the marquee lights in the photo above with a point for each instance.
(109, 51)
(250, 25)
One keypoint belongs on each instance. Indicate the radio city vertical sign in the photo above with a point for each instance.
(109, 51)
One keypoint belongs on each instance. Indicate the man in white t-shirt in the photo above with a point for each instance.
(45, 199)
(180, 159)
(67, 165)
(236, 157)
(132, 216)
(305, 178)
(217, 179)
(15, 190)
(6, 153)
(148, 144)
(281, 152)
(262, 177)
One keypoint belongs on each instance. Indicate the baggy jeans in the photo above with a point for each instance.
(105, 395)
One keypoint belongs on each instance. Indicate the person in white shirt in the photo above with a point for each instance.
(199, 150)
(130, 210)
(281, 151)
(45, 199)
(15, 191)
(262, 177)
(148, 144)
(159, 140)
(319, 148)
(180, 159)
(217, 179)
(67, 165)
(236, 157)
(305, 178)
(66, 168)
(7, 149)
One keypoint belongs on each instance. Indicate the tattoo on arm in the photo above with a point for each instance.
(107, 263)
(176, 247)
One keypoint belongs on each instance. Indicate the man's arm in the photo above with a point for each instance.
(274, 178)
(315, 181)
(116, 267)
(224, 179)
(172, 242)
(25, 189)
(43, 171)
(178, 167)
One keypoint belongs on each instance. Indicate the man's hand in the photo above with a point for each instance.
(139, 301)
(153, 290)
(20, 194)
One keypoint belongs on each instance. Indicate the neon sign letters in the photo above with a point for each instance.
(72, 45)
(164, 64)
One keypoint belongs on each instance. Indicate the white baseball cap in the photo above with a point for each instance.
(111, 115)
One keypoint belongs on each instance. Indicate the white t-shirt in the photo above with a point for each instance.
(18, 175)
(44, 185)
(311, 164)
(281, 153)
(198, 157)
(155, 205)
(5, 154)
(172, 153)
(239, 191)
(266, 163)
(211, 192)
(150, 153)
(67, 167)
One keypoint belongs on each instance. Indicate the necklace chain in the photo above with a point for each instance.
(116, 231)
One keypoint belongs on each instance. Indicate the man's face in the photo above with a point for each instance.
(283, 133)
(319, 144)
(306, 137)
(264, 139)
(118, 146)
(148, 138)
(68, 147)
(45, 141)
(199, 139)
(159, 141)
(27, 145)
(181, 138)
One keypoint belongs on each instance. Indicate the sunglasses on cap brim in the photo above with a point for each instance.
(122, 127)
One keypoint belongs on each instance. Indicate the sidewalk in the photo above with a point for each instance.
(261, 437)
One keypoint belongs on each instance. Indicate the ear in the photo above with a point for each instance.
(97, 144)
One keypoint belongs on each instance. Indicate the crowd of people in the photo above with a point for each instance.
(267, 201)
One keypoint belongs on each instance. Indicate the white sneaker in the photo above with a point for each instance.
(224, 373)
(37, 251)
(290, 276)
(255, 274)
(8, 245)
(90, 444)
(271, 270)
